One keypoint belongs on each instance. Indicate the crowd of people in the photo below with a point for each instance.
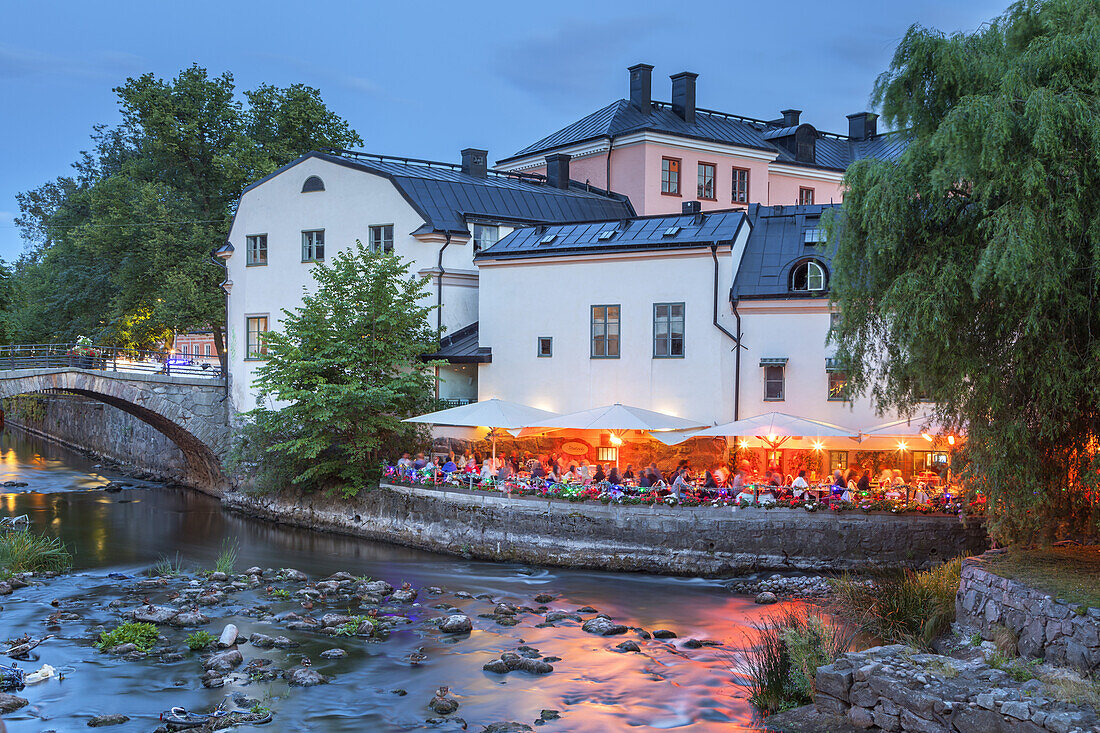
(739, 485)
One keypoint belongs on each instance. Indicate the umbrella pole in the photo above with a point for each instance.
(493, 435)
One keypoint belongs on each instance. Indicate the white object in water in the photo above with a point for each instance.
(40, 676)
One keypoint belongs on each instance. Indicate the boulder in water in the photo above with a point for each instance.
(603, 626)
(456, 624)
(766, 598)
(306, 677)
(228, 637)
(102, 721)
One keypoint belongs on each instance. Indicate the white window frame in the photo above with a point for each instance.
(782, 382)
(378, 241)
(260, 351)
(480, 230)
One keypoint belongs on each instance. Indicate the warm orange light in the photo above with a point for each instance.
(771, 438)
(926, 436)
(744, 444)
(616, 440)
(951, 440)
(818, 445)
(901, 445)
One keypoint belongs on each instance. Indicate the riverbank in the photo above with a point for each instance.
(705, 542)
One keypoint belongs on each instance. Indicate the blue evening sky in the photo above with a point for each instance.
(425, 78)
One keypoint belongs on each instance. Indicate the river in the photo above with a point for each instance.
(666, 687)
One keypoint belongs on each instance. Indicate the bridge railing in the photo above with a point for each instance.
(107, 359)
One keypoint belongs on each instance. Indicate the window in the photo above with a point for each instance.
(838, 387)
(546, 346)
(838, 460)
(206, 349)
(805, 196)
(670, 176)
(313, 183)
(313, 245)
(605, 332)
(256, 250)
(255, 328)
(605, 453)
(668, 330)
(773, 383)
(808, 276)
(740, 185)
(184, 349)
(706, 181)
(834, 321)
(485, 236)
(381, 238)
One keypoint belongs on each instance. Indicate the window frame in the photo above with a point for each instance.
(313, 246)
(314, 177)
(476, 241)
(679, 176)
(538, 347)
(669, 320)
(260, 355)
(802, 191)
(592, 331)
(370, 237)
(249, 261)
(733, 183)
(843, 395)
(700, 165)
(807, 263)
(838, 453)
(782, 382)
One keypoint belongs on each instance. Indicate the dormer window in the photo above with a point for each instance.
(808, 276)
(313, 183)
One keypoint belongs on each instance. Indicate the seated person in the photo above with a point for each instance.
(710, 481)
(599, 475)
(800, 485)
(449, 466)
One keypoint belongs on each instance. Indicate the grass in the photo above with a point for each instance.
(141, 635)
(24, 551)
(1017, 668)
(351, 627)
(907, 607)
(200, 640)
(168, 567)
(1073, 691)
(282, 593)
(782, 664)
(227, 560)
(1071, 573)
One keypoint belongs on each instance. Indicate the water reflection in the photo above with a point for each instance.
(596, 688)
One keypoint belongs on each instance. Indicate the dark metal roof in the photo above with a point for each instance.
(775, 245)
(461, 347)
(618, 235)
(445, 196)
(621, 117)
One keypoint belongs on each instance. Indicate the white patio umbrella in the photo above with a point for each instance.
(493, 414)
(911, 427)
(775, 428)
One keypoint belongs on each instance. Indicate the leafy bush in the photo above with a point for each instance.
(782, 664)
(141, 635)
(200, 640)
(902, 607)
(24, 551)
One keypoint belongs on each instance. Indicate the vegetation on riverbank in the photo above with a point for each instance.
(26, 551)
(141, 635)
(1069, 572)
(782, 664)
(904, 607)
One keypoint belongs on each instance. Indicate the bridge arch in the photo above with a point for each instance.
(191, 412)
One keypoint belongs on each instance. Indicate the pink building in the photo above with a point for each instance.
(198, 345)
(661, 154)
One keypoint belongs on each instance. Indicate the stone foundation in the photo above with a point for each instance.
(1046, 628)
(659, 539)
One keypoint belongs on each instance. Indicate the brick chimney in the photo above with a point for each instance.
(683, 95)
(641, 86)
(475, 162)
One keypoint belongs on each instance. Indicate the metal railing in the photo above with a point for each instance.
(107, 359)
(446, 402)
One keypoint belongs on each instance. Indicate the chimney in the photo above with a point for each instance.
(683, 95)
(862, 125)
(474, 162)
(641, 86)
(690, 208)
(790, 117)
(557, 170)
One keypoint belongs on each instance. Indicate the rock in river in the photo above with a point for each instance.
(306, 677)
(628, 646)
(443, 703)
(765, 598)
(456, 624)
(404, 595)
(261, 641)
(10, 703)
(150, 614)
(664, 634)
(102, 721)
(333, 653)
(228, 637)
(190, 618)
(224, 661)
(603, 626)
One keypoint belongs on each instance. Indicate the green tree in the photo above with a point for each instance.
(968, 273)
(346, 366)
(121, 250)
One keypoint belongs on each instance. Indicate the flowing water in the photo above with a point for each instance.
(666, 687)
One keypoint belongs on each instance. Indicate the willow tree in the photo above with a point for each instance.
(967, 272)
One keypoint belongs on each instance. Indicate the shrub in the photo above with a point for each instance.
(141, 635)
(902, 607)
(24, 551)
(200, 640)
(782, 664)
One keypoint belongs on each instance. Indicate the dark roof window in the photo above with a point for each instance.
(809, 276)
(313, 183)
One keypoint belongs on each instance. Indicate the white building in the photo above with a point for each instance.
(435, 215)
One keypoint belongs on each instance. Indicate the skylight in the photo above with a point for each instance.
(606, 234)
(813, 236)
(672, 231)
(548, 239)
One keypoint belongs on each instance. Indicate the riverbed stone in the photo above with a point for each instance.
(261, 641)
(443, 703)
(766, 598)
(377, 588)
(295, 576)
(333, 654)
(151, 614)
(403, 595)
(189, 618)
(544, 598)
(603, 626)
(497, 666)
(663, 634)
(224, 662)
(456, 624)
(306, 677)
(510, 727)
(10, 703)
(628, 646)
(228, 636)
(102, 721)
(555, 616)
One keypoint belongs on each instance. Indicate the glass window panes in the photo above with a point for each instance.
(670, 176)
(313, 245)
(668, 329)
(609, 454)
(206, 349)
(838, 460)
(808, 276)
(805, 196)
(706, 181)
(838, 386)
(485, 236)
(546, 346)
(381, 238)
(773, 383)
(740, 185)
(256, 249)
(255, 328)
(605, 331)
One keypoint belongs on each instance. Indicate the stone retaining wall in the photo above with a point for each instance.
(1046, 627)
(660, 539)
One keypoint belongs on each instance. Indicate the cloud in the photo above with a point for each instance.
(24, 63)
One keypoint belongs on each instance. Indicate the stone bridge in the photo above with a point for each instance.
(192, 411)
